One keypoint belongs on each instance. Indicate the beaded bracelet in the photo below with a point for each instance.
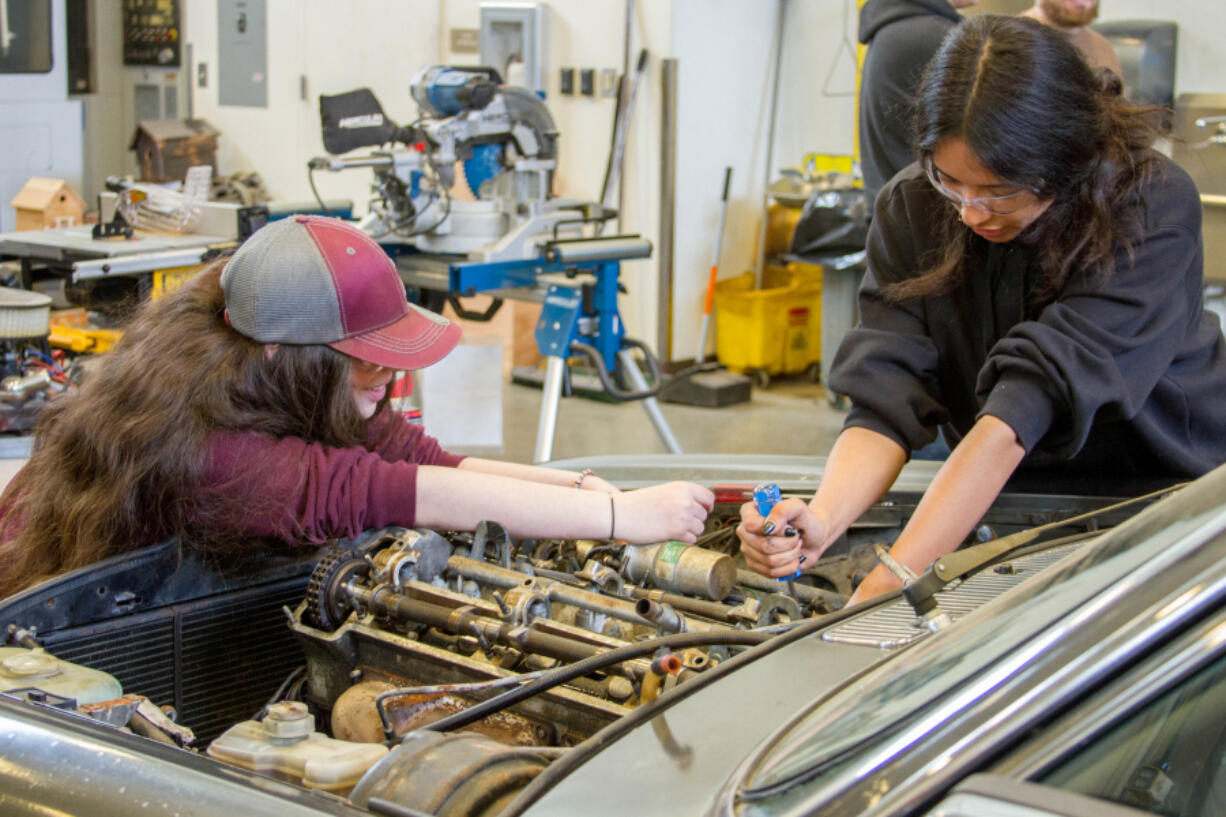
(584, 474)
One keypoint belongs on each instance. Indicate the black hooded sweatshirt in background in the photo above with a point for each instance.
(902, 36)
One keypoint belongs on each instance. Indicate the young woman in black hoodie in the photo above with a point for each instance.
(1034, 290)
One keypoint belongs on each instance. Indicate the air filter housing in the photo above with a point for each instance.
(24, 314)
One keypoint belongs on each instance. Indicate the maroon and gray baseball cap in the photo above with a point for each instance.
(309, 279)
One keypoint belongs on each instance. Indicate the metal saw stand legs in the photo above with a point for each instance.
(551, 397)
(579, 317)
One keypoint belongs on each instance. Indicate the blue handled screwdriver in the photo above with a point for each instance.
(765, 497)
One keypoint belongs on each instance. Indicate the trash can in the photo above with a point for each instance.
(831, 232)
(773, 330)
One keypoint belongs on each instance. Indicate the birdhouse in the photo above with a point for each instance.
(166, 148)
(48, 203)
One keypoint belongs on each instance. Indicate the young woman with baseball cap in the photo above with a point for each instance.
(1034, 290)
(252, 403)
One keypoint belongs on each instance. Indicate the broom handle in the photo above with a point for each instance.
(708, 305)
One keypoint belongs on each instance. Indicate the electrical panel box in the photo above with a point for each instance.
(242, 59)
(152, 33)
(515, 40)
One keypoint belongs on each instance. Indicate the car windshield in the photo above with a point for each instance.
(888, 701)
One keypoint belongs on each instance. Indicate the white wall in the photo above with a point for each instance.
(375, 43)
(40, 127)
(726, 53)
(1201, 60)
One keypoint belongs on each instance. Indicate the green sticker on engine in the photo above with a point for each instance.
(670, 552)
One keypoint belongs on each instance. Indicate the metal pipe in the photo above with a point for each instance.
(650, 405)
(780, 17)
(806, 594)
(668, 208)
(661, 615)
(551, 395)
(384, 601)
(597, 249)
(625, 85)
(555, 591)
(699, 607)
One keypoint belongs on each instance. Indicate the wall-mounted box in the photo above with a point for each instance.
(515, 40)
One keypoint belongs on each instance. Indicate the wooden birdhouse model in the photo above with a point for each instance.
(48, 203)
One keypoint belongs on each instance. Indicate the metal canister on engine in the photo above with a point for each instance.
(680, 568)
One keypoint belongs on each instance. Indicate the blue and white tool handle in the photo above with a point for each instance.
(765, 497)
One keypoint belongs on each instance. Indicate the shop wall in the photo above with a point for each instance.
(376, 43)
(727, 51)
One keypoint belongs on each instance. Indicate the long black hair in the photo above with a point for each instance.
(1026, 103)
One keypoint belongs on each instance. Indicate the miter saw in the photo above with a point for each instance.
(502, 137)
(504, 141)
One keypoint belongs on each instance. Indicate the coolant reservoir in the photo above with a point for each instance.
(20, 668)
(285, 745)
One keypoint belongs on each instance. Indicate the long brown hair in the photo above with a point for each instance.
(1025, 102)
(116, 463)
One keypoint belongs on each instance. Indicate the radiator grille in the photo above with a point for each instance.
(217, 660)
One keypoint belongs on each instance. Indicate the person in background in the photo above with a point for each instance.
(251, 404)
(1072, 18)
(1034, 289)
(901, 35)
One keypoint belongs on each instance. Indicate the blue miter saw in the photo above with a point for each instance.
(504, 140)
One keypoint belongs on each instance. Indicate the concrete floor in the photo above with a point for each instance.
(791, 417)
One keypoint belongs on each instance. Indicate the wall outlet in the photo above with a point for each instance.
(608, 82)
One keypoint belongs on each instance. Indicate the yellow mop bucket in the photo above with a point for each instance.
(773, 330)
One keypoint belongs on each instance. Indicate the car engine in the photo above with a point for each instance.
(435, 616)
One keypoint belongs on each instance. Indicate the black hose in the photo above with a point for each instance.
(556, 771)
(296, 675)
(600, 661)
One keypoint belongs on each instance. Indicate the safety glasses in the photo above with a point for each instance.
(996, 205)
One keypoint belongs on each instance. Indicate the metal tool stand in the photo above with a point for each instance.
(579, 318)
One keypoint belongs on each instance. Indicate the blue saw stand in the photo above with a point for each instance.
(579, 318)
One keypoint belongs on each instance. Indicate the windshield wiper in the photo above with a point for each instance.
(921, 593)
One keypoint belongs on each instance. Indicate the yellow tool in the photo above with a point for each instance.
(92, 341)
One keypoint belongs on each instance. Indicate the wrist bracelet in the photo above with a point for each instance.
(584, 474)
(612, 516)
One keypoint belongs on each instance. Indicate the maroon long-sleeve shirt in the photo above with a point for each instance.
(301, 492)
(305, 492)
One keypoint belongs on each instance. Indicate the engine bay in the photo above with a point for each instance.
(439, 671)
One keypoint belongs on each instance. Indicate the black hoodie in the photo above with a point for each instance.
(902, 36)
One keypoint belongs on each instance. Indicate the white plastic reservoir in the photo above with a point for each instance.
(286, 745)
(20, 668)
